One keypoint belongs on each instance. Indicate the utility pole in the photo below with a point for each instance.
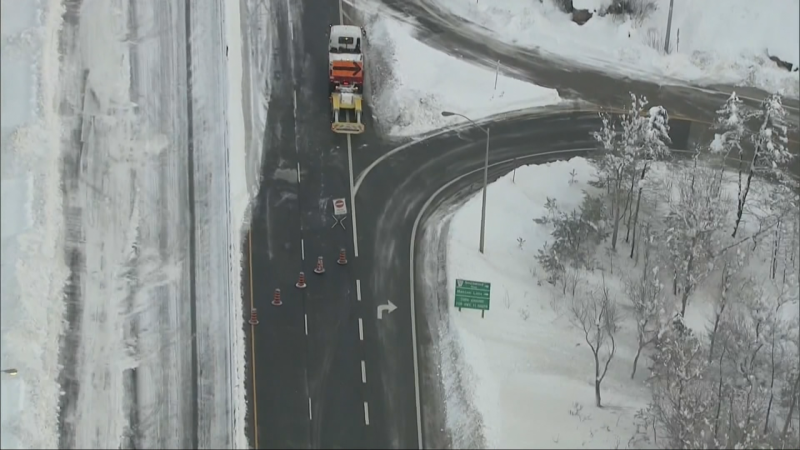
(669, 27)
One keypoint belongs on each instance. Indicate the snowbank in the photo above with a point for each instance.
(417, 83)
(714, 42)
(33, 270)
(238, 201)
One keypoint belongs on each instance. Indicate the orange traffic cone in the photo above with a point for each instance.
(342, 257)
(320, 266)
(254, 316)
(301, 281)
(276, 299)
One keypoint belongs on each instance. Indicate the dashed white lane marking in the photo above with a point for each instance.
(309, 408)
(366, 413)
(298, 172)
(358, 290)
(363, 372)
(360, 329)
(303, 249)
(305, 319)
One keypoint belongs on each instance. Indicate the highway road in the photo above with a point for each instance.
(312, 376)
(327, 371)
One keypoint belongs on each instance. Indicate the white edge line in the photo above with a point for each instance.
(360, 329)
(352, 195)
(305, 320)
(309, 409)
(298, 172)
(394, 151)
(358, 290)
(411, 264)
(303, 249)
(366, 413)
(363, 372)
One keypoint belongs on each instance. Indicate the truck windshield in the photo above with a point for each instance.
(345, 44)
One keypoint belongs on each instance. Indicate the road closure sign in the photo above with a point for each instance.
(472, 294)
(339, 207)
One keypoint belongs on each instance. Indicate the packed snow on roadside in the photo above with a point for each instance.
(33, 270)
(523, 376)
(242, 184)
(414, 83)
(713, 41)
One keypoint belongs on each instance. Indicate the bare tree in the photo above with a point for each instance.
(731, 266)
(573, 276)
(793, 397)
(645, 296)
(596, 316)
(777, 334)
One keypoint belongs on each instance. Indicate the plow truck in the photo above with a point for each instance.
(346, 77)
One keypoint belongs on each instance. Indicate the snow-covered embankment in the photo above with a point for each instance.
(33, 271)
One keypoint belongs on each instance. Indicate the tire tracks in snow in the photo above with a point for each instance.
(192, 227)
(73, 249)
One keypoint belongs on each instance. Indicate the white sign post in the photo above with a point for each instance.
(339, 212)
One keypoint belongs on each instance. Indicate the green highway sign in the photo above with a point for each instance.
(472, 294)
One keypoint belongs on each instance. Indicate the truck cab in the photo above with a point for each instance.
(346, 58)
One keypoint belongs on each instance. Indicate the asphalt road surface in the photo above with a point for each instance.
(310, 354)
(328, 373)
(391, 199)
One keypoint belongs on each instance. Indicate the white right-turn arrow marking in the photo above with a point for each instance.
(388, 308)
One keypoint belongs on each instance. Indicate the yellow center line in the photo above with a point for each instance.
(253, 340)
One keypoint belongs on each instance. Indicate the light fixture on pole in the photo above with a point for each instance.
(12, 372)
(485, 174)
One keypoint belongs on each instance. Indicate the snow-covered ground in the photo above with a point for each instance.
(94, 113)
(33, 269)
(524, 369)
(418, 82)
(713, 42)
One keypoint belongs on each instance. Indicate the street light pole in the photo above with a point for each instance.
(485, 184)
(485, 175)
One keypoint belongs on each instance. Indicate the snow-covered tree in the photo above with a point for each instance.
(770, 150)
(627, 147)
(731, 122)
(694, 215)
(595, 315)
(655, 137)
(575, 237)
(682, 402)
